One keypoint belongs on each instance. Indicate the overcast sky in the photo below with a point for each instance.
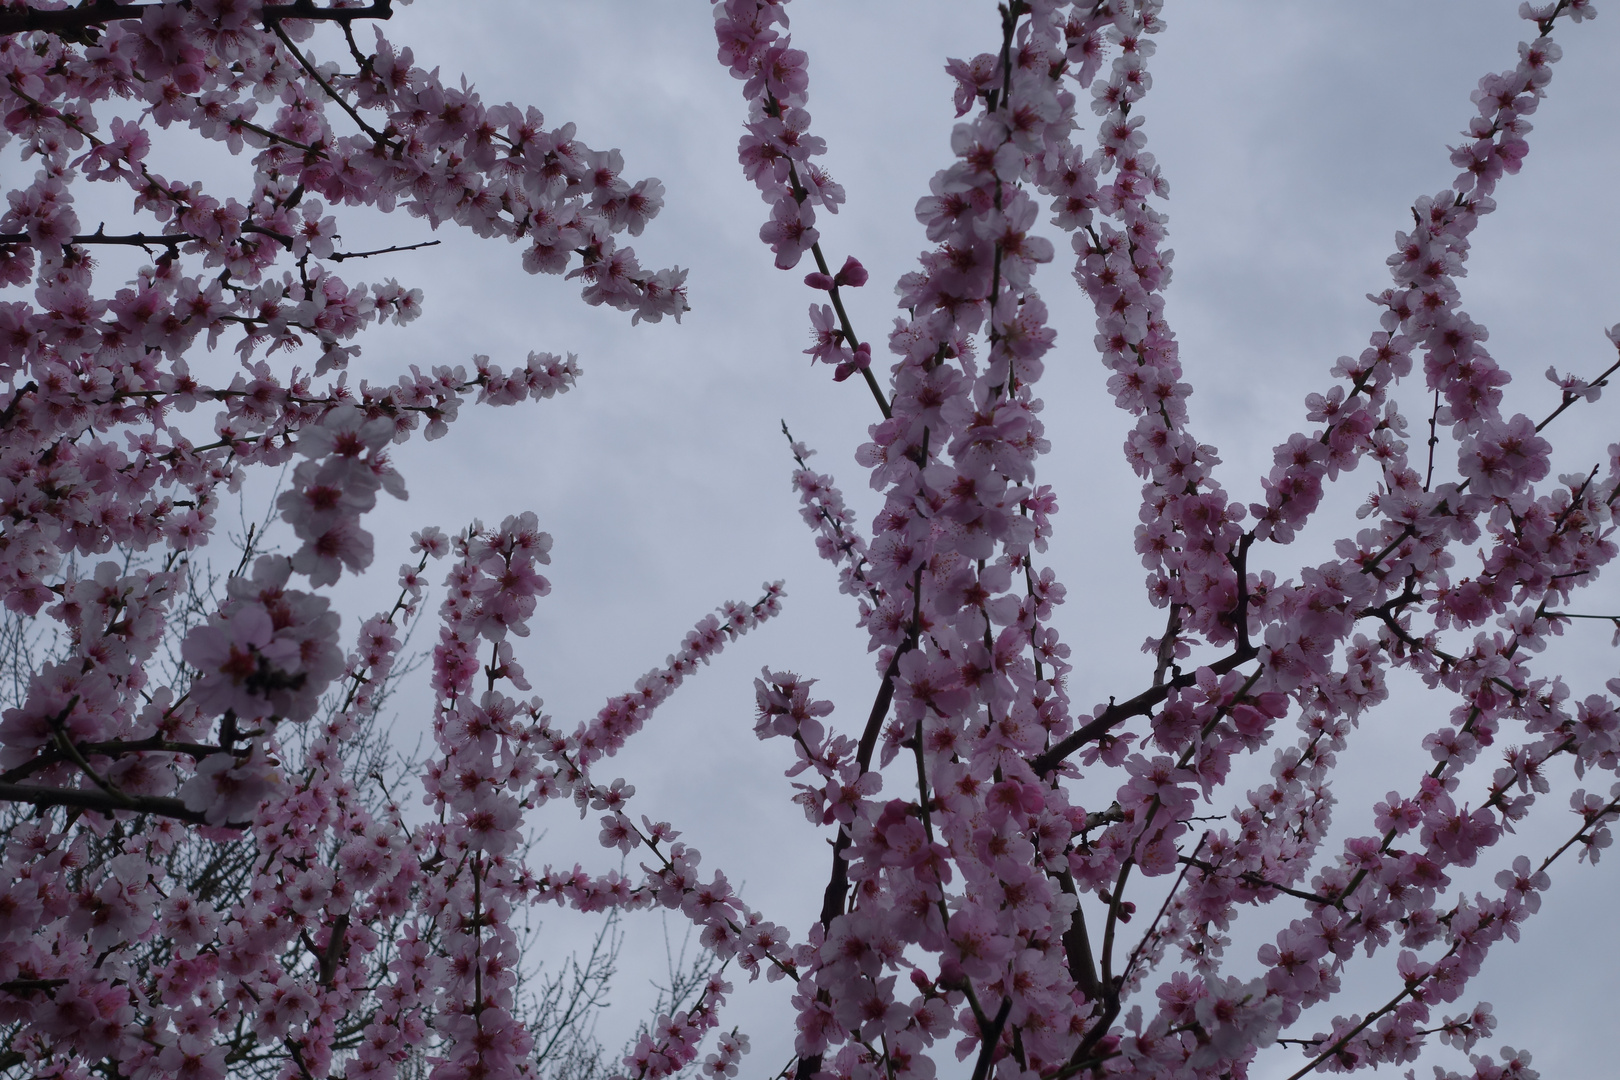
(1294, 137)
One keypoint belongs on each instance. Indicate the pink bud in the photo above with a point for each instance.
(853, 274)
(819, 281)
(859, 362)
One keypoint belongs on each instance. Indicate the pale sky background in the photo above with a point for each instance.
(1294, 136)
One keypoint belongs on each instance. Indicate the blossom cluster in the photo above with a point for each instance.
(501, 757)
(985, 864)
(728, 927)
(288, 960)
(988, 828)
(154, 728)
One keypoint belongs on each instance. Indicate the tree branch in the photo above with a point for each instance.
(1258, 881)
(71, 22)
(339, 256)
(987, 1048)
(1140, 705)
(80, 798)
(171, 241)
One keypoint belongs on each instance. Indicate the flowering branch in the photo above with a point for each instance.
(69, 22)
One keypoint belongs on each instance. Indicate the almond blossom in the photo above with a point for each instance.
(1025, 876)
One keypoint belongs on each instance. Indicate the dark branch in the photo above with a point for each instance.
(991, 1039)
(71, 22)
(104, 802)
(140, 240)
(339, 256)
(29, 986)
(1259, 881)
(172, 241)
(1140, 705)
(114, 748)
(1077, 945)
